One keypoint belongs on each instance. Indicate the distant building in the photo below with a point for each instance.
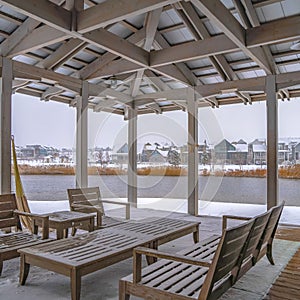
(283, 152)
(257, 152)
(120, 154)
(222, 152)
(239, 156)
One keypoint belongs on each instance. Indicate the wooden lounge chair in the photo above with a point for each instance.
(9, 217)
(204, 271)
(259, 246)
(88, 200)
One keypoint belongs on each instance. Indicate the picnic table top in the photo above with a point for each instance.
(105, 243)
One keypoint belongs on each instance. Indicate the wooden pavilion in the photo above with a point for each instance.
(149, 56)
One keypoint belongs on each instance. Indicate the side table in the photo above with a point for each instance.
(61, 221)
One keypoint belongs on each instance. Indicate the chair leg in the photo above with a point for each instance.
(24, 270)
(122, 291)
(269, 254)
(1, 265)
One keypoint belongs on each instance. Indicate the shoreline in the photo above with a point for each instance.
(288, 172)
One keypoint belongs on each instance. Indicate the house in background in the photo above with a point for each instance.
(239, 156)
(257, 152)
(159, 156)
(120, 154)
(296, 152)
(283, 152)
(222, 152)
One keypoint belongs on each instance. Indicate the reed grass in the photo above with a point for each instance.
(289, 172)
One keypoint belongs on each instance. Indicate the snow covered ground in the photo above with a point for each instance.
(290, 213)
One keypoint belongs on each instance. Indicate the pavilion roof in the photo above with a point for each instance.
(148, 54)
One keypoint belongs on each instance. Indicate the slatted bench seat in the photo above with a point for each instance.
(190, 274)
(9, 217)
(81, 255)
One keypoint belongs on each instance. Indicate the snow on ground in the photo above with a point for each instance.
(290, 213)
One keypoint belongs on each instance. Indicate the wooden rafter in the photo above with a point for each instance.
(223, 19)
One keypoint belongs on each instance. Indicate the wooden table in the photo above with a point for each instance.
(61, 221)
(87, 253)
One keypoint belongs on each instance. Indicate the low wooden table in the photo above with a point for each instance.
(81, 255)
(61, 221)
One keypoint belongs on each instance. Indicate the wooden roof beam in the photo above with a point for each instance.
(62, 54)
(61, 19)
(118, 46)
(213, 102)
(51, 91)
(252, 15)
(113, 11)
(90, 71)
(180, 70)
(38, 38)
(218, 61)
(223, 19)
(18, 35)
(43, 11)
(151, 24)
(247, 85)
(285, 29)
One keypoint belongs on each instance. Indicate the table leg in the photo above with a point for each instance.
(24, 270)
(59, 232)
(75, 284)
(74, 229)
(66, 232)
(196, 235)
(91, 224)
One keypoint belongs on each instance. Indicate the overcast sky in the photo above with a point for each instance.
(51, 123)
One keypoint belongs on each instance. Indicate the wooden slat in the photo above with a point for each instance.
(290, 233)
(286, 286)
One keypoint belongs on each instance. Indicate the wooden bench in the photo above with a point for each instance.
(87, 253)
(207, 269)
(88, 200)
(10, 243)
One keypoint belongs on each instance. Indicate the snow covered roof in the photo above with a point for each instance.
(241, 147)
(259, 148)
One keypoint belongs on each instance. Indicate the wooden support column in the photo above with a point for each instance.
(5, 125)
(272, 141)
(82, 137)
(192, 153)
(132, 156)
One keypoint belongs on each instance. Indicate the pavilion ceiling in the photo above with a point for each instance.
(147, 53)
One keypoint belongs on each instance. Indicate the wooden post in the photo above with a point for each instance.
(132, 156)
(5, 125)
(82, 137)
(192, 153)
(272, 141)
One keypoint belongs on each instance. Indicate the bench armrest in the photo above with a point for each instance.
(127, 204)
(44, 219)
(137, 260)
(226, 217)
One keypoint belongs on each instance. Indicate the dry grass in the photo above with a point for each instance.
(290, 172)
(162, 171)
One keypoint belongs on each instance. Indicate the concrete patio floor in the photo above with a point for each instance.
(103, 284)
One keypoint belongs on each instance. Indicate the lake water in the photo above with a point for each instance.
(218, 189)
